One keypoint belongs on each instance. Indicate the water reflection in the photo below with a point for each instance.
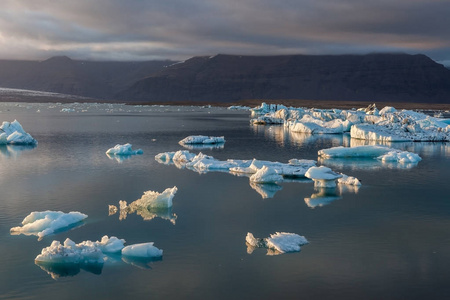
(13, 151)
(322, 197)
(266, 190)
(58, 270)
(203, 146)
(139, 262)
(363, 163)
(119, 158)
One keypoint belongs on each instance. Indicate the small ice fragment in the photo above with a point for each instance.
(266, 175)
(201, 139)
(123, 150)
(278, 243)
(144, 250)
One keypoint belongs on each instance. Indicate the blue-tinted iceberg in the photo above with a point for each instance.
(202, 139)
(144, 250)
(123, 150)
(13, 133)
(278, 243)
(48, 222)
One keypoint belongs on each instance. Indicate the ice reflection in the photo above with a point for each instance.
(58, 270)
(148, 214)
(203, 146)
(322, 197)
(266, 190)
(13, 151)
(363, 163)
(139, 262)
(119, 158)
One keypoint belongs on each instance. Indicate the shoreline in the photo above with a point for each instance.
(321, 104)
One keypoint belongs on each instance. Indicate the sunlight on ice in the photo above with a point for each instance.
(13, 133)
(123, 150)
(151, 205)
(323, 176)
(47, 222)
(277, 243)
(144, 250)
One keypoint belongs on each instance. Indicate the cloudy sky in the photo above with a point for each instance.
(179, 29)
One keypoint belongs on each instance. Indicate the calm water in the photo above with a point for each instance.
(390, 239)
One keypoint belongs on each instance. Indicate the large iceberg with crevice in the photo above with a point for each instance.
(13, 133)
(48, 222)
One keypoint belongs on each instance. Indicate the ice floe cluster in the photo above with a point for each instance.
(68, 258)
(277, 243)
(151, 205)
(13, 133)
(264, 176)
(43, 223)
(386, 125)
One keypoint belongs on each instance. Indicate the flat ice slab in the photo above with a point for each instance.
(277, 243)
(47, 222)
(123, 150)
(144, 250)
(202, 139)
(13, 133)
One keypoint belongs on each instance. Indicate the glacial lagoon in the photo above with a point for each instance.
(386, 239)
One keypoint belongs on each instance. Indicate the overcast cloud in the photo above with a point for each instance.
(179, 29)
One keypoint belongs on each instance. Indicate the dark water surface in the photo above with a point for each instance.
(389, 239)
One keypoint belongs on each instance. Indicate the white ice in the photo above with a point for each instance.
(13, 133)
(201, 139)
(359, 151)
(123, 150)
(322, 176)
(47, 222)
(280, 242)
(403, 157)
(149, 206)
(144, 250)
(266, 175)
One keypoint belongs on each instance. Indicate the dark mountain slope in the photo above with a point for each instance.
(227, 78)
(83, 78)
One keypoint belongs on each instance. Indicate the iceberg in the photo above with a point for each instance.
(277, 243)
(151, 205)
(322, 176)
(123, 150)
(403, 157)
(48, 222)
(144, 250)
(70, 257)
(13, 133)
(266, 175)
(201, 139)
(359, 151)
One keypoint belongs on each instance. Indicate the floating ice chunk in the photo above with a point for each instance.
(165, 157)
(348, 180)
(123, 150)
(286, 242)
(322, 176)
(15, 134)
(376, 133)
(359, 151)
(47, 222)
(278, 243)
(182, 156)
(266, 175)
(152, 199)
(150, 205)
(201, 139)
(69, 252)
(110, 245)
(144, 250)
(403, 157)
